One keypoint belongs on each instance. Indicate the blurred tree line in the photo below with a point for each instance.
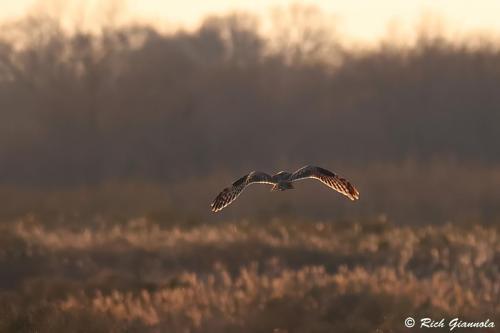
(134, 103)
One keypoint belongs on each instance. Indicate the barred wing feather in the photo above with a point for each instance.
(328, 178)
(229, 194)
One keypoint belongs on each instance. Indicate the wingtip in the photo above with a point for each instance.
(215, 208)
(353, 194)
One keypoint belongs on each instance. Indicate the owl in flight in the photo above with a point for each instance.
(283, 181)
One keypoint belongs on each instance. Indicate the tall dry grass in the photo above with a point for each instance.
(287, 276)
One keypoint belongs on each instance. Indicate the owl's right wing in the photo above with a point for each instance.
(229, 194)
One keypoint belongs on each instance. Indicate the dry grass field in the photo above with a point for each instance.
(241, 276)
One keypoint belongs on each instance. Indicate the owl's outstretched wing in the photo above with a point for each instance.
(230, 194)
(328, 178)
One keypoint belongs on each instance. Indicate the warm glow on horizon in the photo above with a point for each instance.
(357, 20)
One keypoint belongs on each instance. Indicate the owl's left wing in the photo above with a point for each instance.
(328, 178)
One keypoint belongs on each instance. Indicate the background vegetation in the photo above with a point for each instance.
(415, 123)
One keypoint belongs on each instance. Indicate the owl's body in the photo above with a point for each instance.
(282, 181)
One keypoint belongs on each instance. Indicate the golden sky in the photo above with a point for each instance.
(359, 20)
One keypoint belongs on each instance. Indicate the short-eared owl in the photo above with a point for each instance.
(283, 181)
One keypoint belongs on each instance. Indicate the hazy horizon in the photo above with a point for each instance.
(356, 22)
